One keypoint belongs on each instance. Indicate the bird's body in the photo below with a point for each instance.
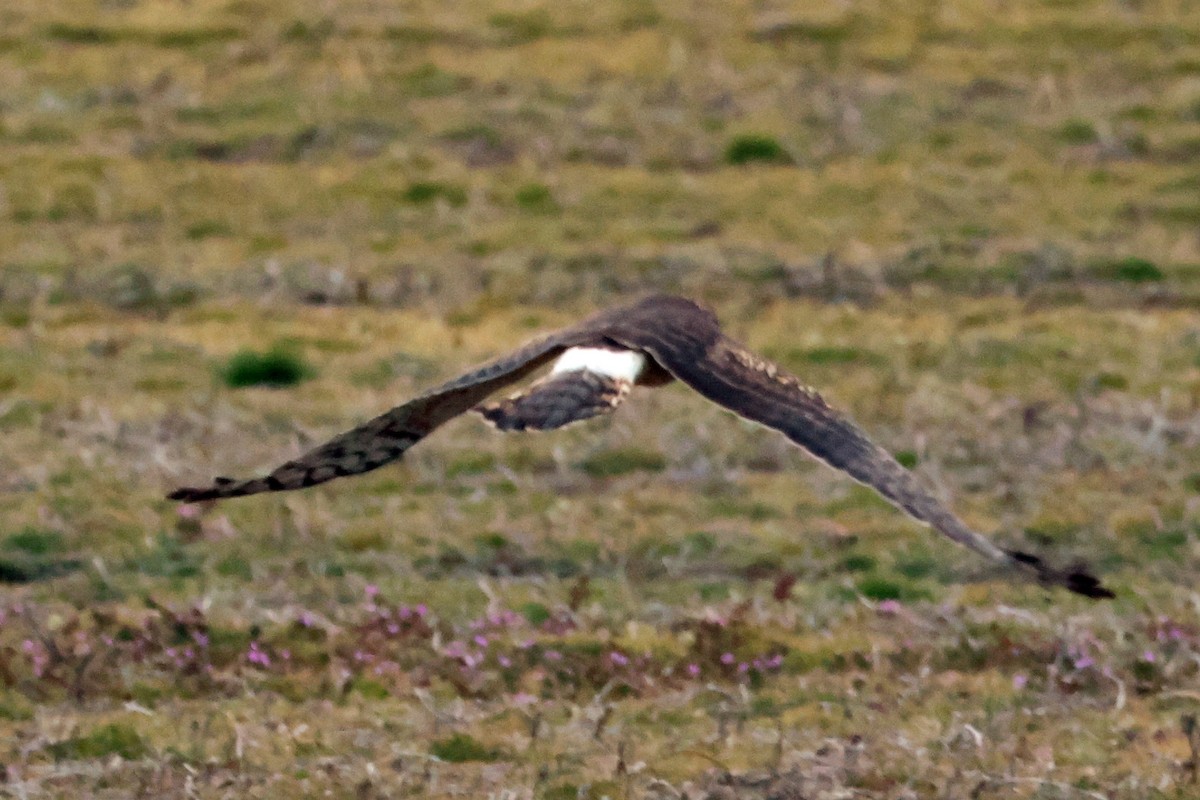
(596, 363)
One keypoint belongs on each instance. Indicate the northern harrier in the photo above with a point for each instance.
(651, 342)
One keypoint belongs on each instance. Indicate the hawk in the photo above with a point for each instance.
(651, 342)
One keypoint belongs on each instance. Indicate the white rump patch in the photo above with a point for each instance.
(620, 364)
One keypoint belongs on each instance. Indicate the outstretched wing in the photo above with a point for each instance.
(385, 438)
(687, 341)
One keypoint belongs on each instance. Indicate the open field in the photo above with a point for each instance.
(973, 225)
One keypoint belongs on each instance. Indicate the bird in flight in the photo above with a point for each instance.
(651, 342)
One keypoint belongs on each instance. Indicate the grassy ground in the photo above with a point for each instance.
(974, 225)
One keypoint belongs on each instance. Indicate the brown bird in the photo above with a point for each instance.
(650, 342)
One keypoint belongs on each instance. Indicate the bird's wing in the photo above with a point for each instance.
(557, 400)
(687, 341)
(385, 438)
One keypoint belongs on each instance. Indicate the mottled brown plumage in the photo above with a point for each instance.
(558, 400)
(681, 341)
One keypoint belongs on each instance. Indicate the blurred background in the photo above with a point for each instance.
(232, 228)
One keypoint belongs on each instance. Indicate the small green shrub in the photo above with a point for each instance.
(858, 562)
(752, 147)
(878, 588)
(462, 747)
(535, 197)
(535, 613)
(206, 228)
(35, 542)
(423, 192)
(916, 567)
(1077, 131)
(81, 34)
(30, 555)
(1130, 269)
(277, 368)
(429, 80)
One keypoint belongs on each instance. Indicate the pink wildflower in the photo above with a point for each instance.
(888, 608)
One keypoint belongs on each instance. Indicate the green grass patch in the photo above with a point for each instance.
(169, 558)
(96, 35)
(753, 148)
(429, 80)
(1076, 132)
(471, 464)
(115, 739)
(536, 198)
(1130, 269)
(32, 555)
(917, 566)
(535, 613)
(462, 747)
(277, 368)
(205, 229)
(235, 565)
(859, 562)
(521, 27)
(612, 463)
(35, 542)
(875, 587)
(423, 192)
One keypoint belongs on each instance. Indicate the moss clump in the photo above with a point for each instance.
(276, 368)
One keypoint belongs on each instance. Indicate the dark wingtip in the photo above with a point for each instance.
(1077, 579)
(193, 494)
(190, 494)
